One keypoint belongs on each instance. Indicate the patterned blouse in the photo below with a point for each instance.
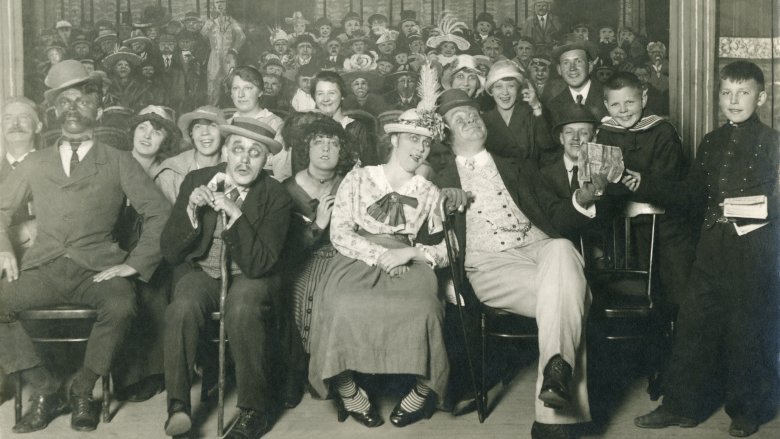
(360, 189)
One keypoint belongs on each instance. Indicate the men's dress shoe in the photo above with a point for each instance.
(84, 413)
(144, 389)
(369, 418)
(251, 424)
(662, 418)
(179, 420)
(43, 409)
(555, 386)
(466, 405)
(553, 431)
(401, 418)
(742, 426)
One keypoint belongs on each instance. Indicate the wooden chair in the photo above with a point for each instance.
(64, 324)
(626, 303)
(492, 322)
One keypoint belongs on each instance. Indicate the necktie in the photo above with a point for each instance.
(470, 165)
(579, 99)
(74, 157)
(167, 62)
(574, 184)
(233, 195)
(541, 22)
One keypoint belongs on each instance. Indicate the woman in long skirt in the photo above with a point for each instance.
(380, 311)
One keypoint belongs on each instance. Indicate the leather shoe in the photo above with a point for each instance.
(553, 431)
(465, 406)
(251, 424)
(84, 413)
(142, 390)
(662, 418)
(742, 426)
(43, 409)
(555, 386)
(401, 418)
(370, 418)
(179, 420)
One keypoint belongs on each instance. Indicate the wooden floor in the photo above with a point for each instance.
(511, 417)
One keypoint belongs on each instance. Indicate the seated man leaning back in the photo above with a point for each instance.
(516, 260)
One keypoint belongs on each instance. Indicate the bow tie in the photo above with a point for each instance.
(390, 208)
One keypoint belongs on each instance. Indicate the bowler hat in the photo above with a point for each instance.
(573, 113)
(207, 112)
(64, 75)
(453, 98)
(573, 42)
(252, 129)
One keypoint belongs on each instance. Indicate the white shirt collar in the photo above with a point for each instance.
(481, 159)
(12, 159)
(568, 163)
(584, 92)
(539, 17)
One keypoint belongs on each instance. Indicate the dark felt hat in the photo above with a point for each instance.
(573, 42)
(573, 113)
(453, 98)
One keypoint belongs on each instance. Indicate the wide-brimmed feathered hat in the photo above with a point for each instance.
(448, 25)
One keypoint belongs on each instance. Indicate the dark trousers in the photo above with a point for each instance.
(726, 343)
(62, 281)
(251, 310)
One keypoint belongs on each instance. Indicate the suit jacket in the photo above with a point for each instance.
(77, 214)
(539, 204)
(393, 100)
(594, 101)
(526, 137)
(533, 30)
(256, 238)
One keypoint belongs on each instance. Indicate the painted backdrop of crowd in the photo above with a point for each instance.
(316, 161)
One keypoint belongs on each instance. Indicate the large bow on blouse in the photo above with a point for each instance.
(390, 208)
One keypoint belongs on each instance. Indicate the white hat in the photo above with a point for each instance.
(502, 69)
(387, 36)
(62, 24)
(448, 24)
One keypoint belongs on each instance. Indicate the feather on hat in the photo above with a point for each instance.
(448, 25)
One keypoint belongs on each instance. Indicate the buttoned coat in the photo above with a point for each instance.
(255, 240)
(77, 214)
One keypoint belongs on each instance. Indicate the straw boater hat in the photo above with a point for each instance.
(123, 53)
(137, 36)
(502, 69)
(448, 25)
(423, 120)
(63, 75)
(156, 113)
(573, 42)
(208, 112)
(252, 129)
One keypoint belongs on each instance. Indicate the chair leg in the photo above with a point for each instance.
(18, 397)
(106, 382)
(482, 397)
(221, 392)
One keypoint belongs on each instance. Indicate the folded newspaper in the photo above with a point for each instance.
(753, 207)
(596, 159)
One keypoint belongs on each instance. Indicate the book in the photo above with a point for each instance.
(753, 207)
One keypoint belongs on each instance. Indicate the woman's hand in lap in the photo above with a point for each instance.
(396, 257)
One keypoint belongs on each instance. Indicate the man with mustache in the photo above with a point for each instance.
(78, 188)
(516, 260)
(256, 211)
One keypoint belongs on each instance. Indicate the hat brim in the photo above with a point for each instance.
(110, 61)
(128, 42)
(588, 46)
(436, 41)
(446, 77)
(515, 75)
(50, 95)
(186, 119)
(397, 128)
(273, 146)
(100, 39)
(167, 124)
(447, 106)
(373, 79)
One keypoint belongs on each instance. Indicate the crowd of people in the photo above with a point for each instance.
(306, 170)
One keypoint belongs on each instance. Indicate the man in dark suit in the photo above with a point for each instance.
(576, 126)
(404, 94)
(78, 188)
(575, 59)
(513, 260)
(543, 28)
(236, 207)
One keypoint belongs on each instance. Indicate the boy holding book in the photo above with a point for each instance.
(726, 346)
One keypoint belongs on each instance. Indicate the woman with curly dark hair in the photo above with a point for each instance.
(323, 156)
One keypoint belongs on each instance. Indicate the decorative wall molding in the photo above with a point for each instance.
(748, 48)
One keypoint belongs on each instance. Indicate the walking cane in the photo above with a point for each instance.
(223, 271)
